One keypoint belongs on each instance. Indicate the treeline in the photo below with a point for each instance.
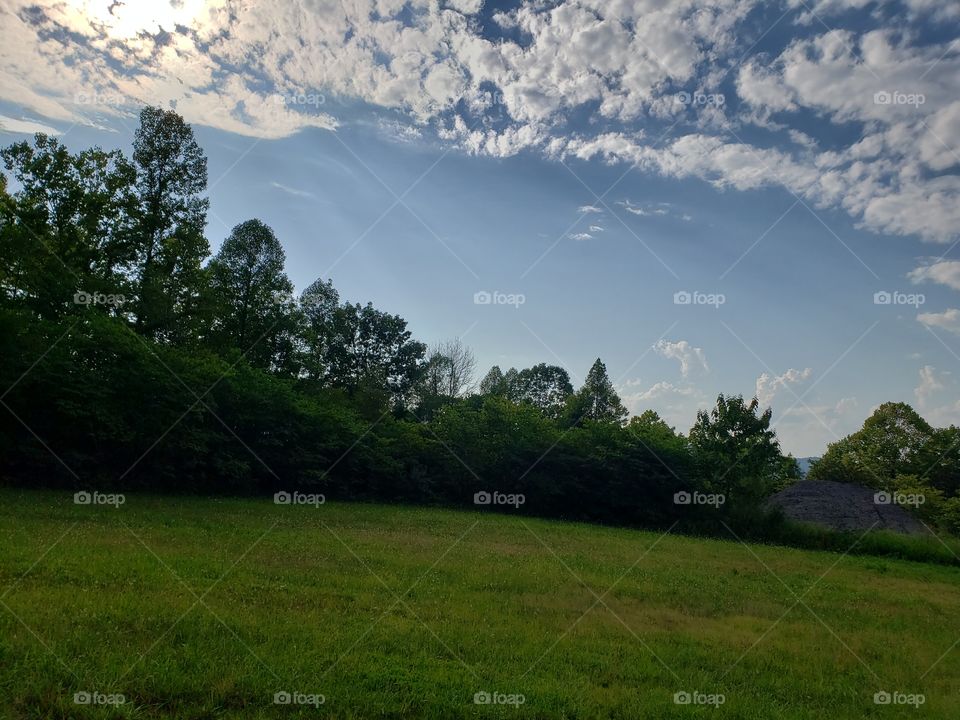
(132, 359)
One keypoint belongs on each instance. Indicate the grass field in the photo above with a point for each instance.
(207, 608)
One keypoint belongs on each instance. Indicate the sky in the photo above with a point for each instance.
(757, 198)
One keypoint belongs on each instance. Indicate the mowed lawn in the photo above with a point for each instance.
(207, 608)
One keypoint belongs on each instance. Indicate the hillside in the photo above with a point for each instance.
(209, 608)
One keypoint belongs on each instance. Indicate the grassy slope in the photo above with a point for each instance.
(496, 611)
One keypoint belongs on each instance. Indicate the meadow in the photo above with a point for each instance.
(187, 607)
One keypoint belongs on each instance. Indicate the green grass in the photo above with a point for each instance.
(305, 599)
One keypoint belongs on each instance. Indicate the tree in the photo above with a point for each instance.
(545, 387)
(735, 451)
(65, 234)
(373, 350)
(893, 441)
(170, 219)
(493, 382)
(318, 308)
(450, 369)
(252, 296)
(596, 401)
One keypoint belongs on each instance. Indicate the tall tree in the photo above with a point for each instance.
(171, 215)
(546, 387)
(596, 400)
(493, 382)
(319, 303)
(893, 441)
(737, 453)
(66, 231)
(253, 297)
(373, 350)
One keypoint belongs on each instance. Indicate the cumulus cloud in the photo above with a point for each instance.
(690, 358)
(945, 272)
(931, 384)
(947, 320)
(769, 385)
(244, 68)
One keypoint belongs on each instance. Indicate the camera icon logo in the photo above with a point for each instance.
(882, 298)
(682, 698)
(282, 498)
(482, 298)
(882, 98)
(882, 698)
(82, 498)
(282, 698)
(482, 498)
(82, 698)
(882, 498)
(482, 698)
(682, 498)
(682, 298)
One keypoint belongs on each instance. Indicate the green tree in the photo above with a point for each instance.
(253, 296)
(373, 350)
(65, 234)
(545, 387)
(319, 303)
(493, 382)
(170, 219)
(893, 441)
(596, 400)
(735, 451)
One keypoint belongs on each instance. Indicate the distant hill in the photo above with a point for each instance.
(805, 463)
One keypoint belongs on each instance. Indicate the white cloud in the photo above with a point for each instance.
(29, 127)
(291, 191)
(585, 209)
(226, 65)
(689, 357)
(930, 385)
(947, 320)
(769, 385)
(664, 388)
(945, 272)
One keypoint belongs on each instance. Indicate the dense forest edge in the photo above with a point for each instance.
(133, 360)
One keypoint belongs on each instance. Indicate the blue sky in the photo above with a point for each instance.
(792, 159)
